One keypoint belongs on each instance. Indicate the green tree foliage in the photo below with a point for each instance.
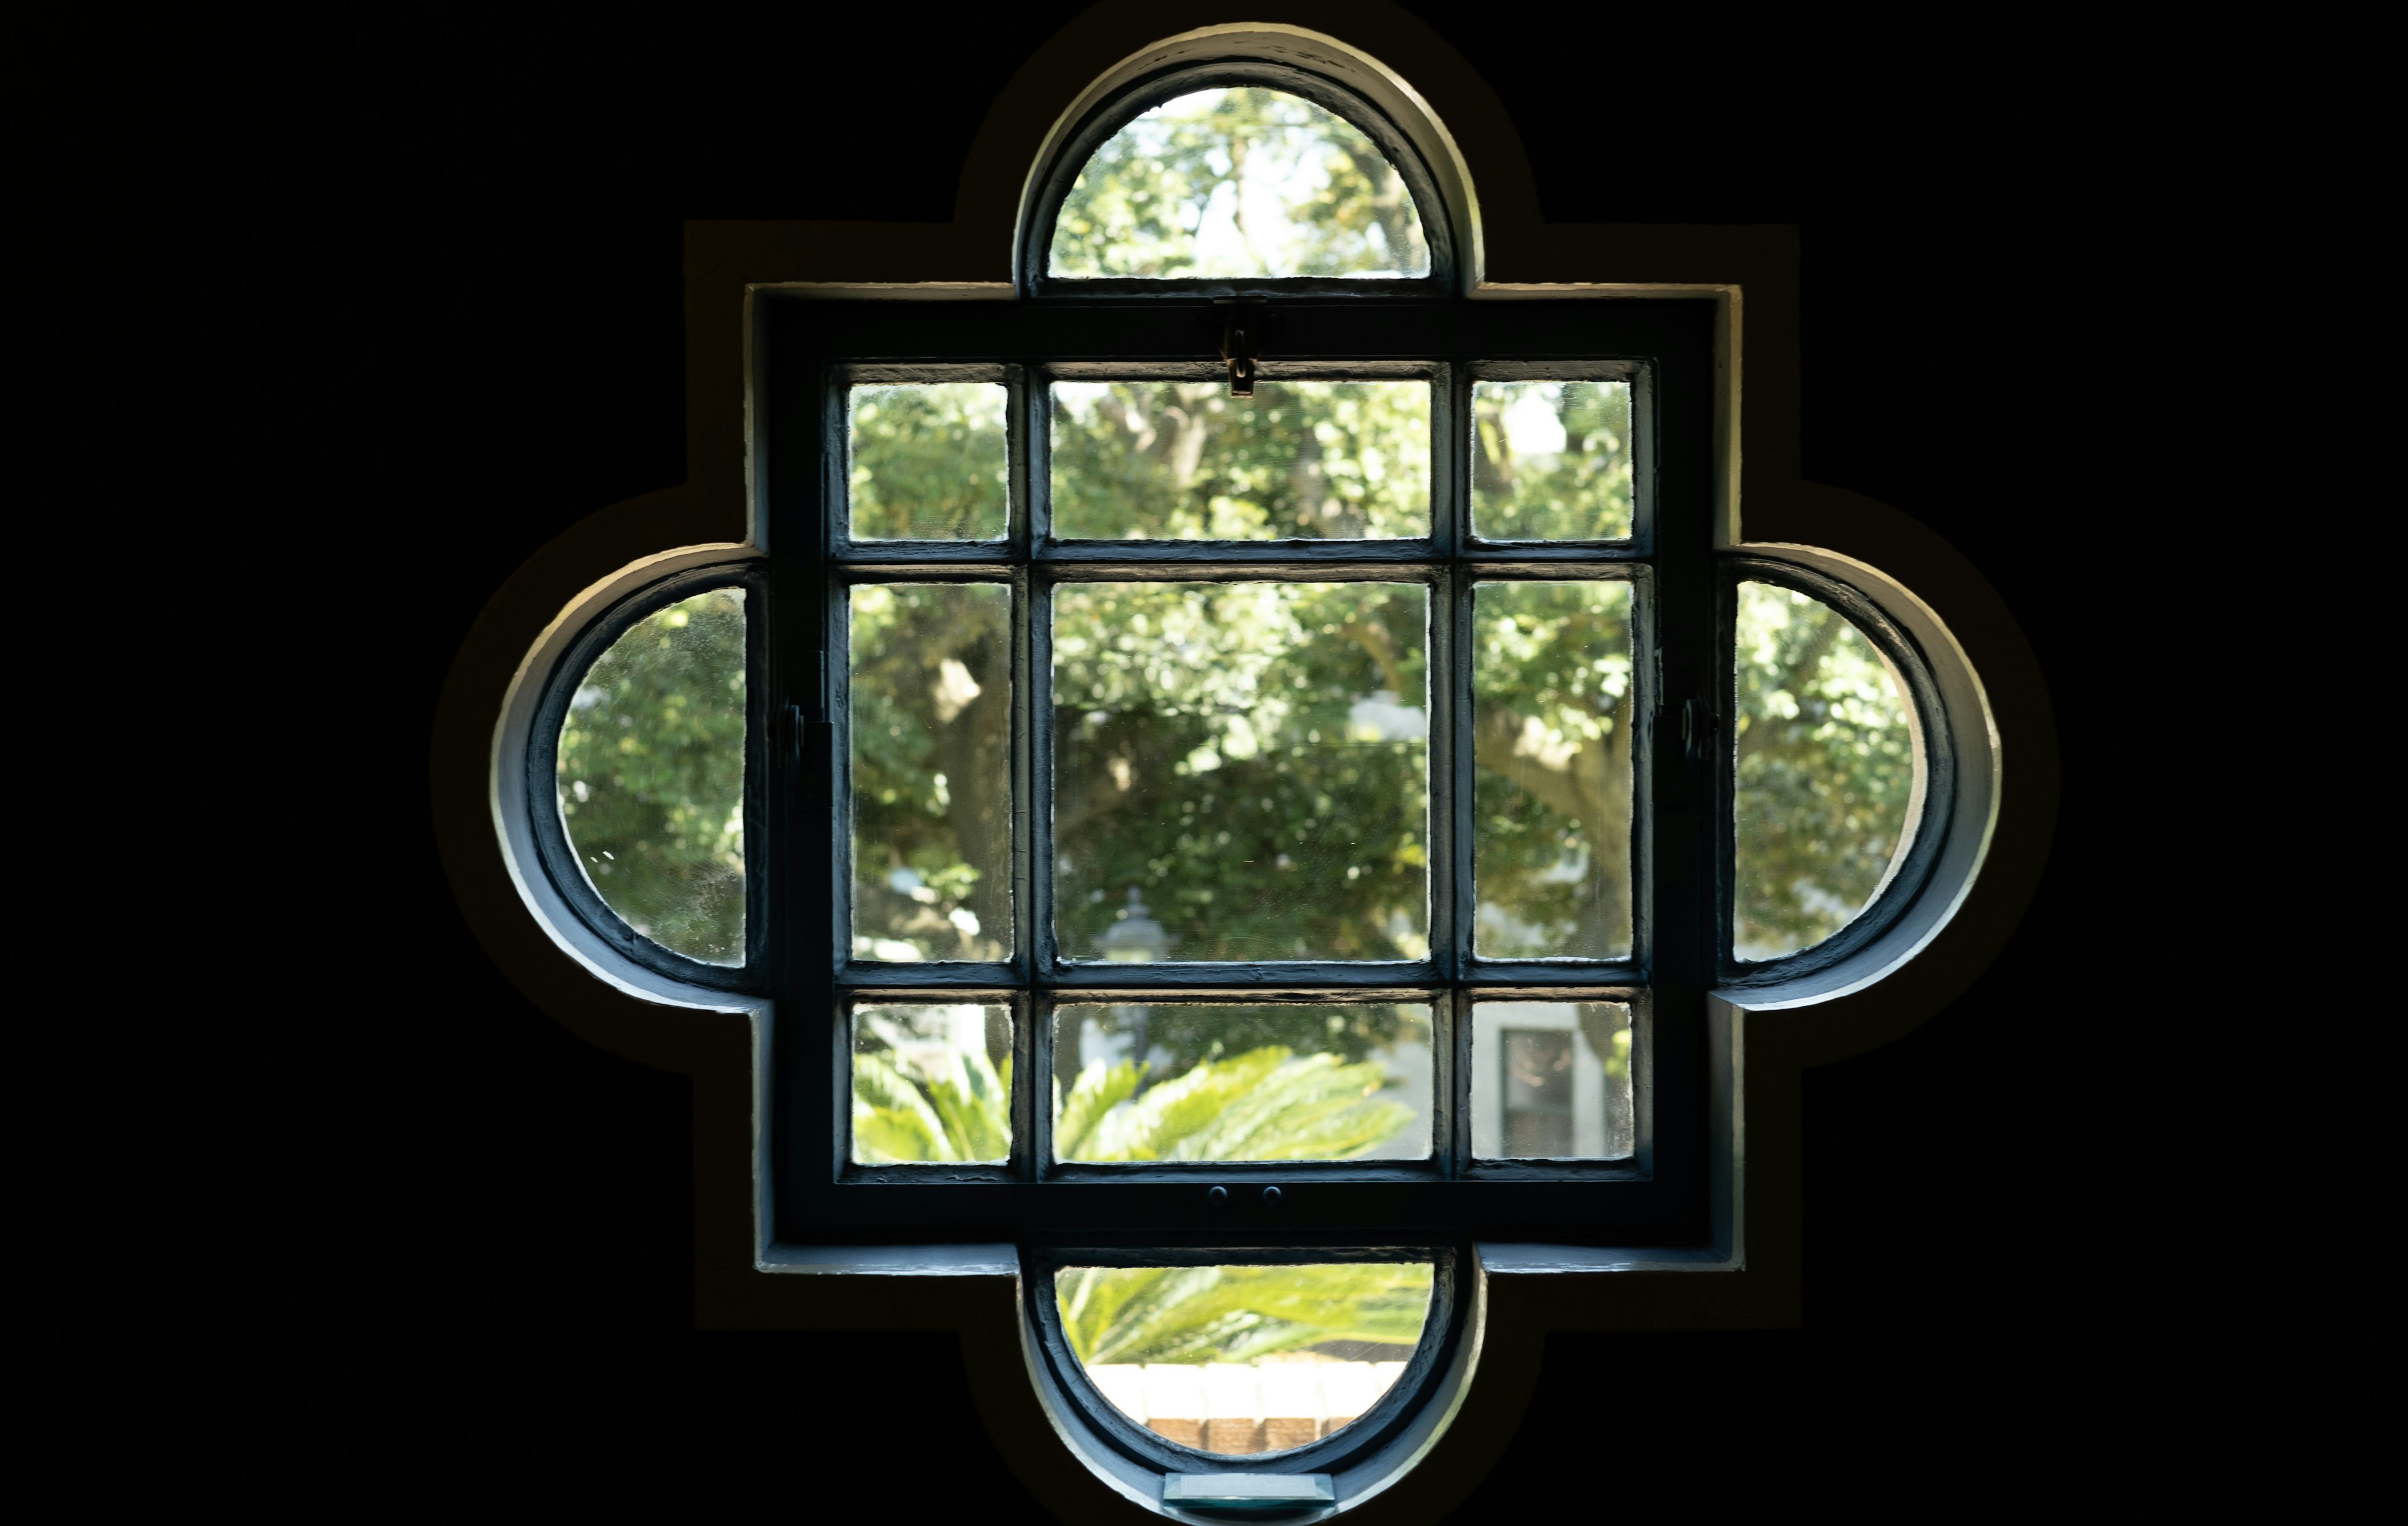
(1553, 461)
(928, 462)
(1175, 1036)
(1300, 460)
(925, 1091)
(1551, 797)
(934, 1084)
(651, 774)
(1239, 182)
(1826, 769)
(1197, 1314)
(931, 697)
(1239, 751)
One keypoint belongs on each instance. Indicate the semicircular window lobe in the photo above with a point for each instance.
(649, 770)
(1238, 183)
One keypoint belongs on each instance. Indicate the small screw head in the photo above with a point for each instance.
(1217, 1196)
(1270, 1197)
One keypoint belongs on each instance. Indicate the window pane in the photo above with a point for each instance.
(1828, 769)
(1194, 1082)
(931, 726)
(1551, 1080)
(929, 462)
(1236, 183)
(1553, 460)
(1185, 461)
(1244, 1359)
(1551, 796)
(650, 771)
(1249, 759)
(931, 1083)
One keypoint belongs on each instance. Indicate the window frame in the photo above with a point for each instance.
(753, 1273)
(553, 842)
(809, 351)
(1444, 1332)
(1931, 808)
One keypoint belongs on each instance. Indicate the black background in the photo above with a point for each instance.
(385, 305)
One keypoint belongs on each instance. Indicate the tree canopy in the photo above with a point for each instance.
(1240, 768)
(651, 773)
(1825, 766)
(1238, 183)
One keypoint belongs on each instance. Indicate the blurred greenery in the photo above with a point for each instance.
(1263, 1105)
(928, 462)
(1175, 1036)
(651, 773)
(1238, 183)
(931, 681)
(924, 1088)
(1239, 752)
(1300, 460)
(1550, 795)
(1198, 1314)
(1824, 761)
(1554, 460)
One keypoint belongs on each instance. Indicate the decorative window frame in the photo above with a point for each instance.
(1762, 1033)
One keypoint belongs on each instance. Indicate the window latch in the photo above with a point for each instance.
(1242, 343)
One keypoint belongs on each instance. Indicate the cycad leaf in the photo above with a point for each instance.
(1099, 1090)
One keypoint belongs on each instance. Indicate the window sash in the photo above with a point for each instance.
(814, 352)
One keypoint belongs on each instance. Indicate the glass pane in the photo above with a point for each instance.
(1181, 1082)
(929, 462)
(1237, 182)
(1551, 795)
(1552, 461)
(931, 1083)
(1251, 760)
(1244, 1359)
(1185, 461)
(650, 771)
(1551, 1080)
(1828, 769)
(931, 726)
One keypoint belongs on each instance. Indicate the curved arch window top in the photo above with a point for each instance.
(1829, 773)
(1239, 182)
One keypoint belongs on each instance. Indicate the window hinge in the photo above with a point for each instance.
(806, 748)
(1698, 724)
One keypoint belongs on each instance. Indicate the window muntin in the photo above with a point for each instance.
(1237, 181)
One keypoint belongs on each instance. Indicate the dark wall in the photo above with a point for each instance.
(430, 316)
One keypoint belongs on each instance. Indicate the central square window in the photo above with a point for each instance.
(1243, 804)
